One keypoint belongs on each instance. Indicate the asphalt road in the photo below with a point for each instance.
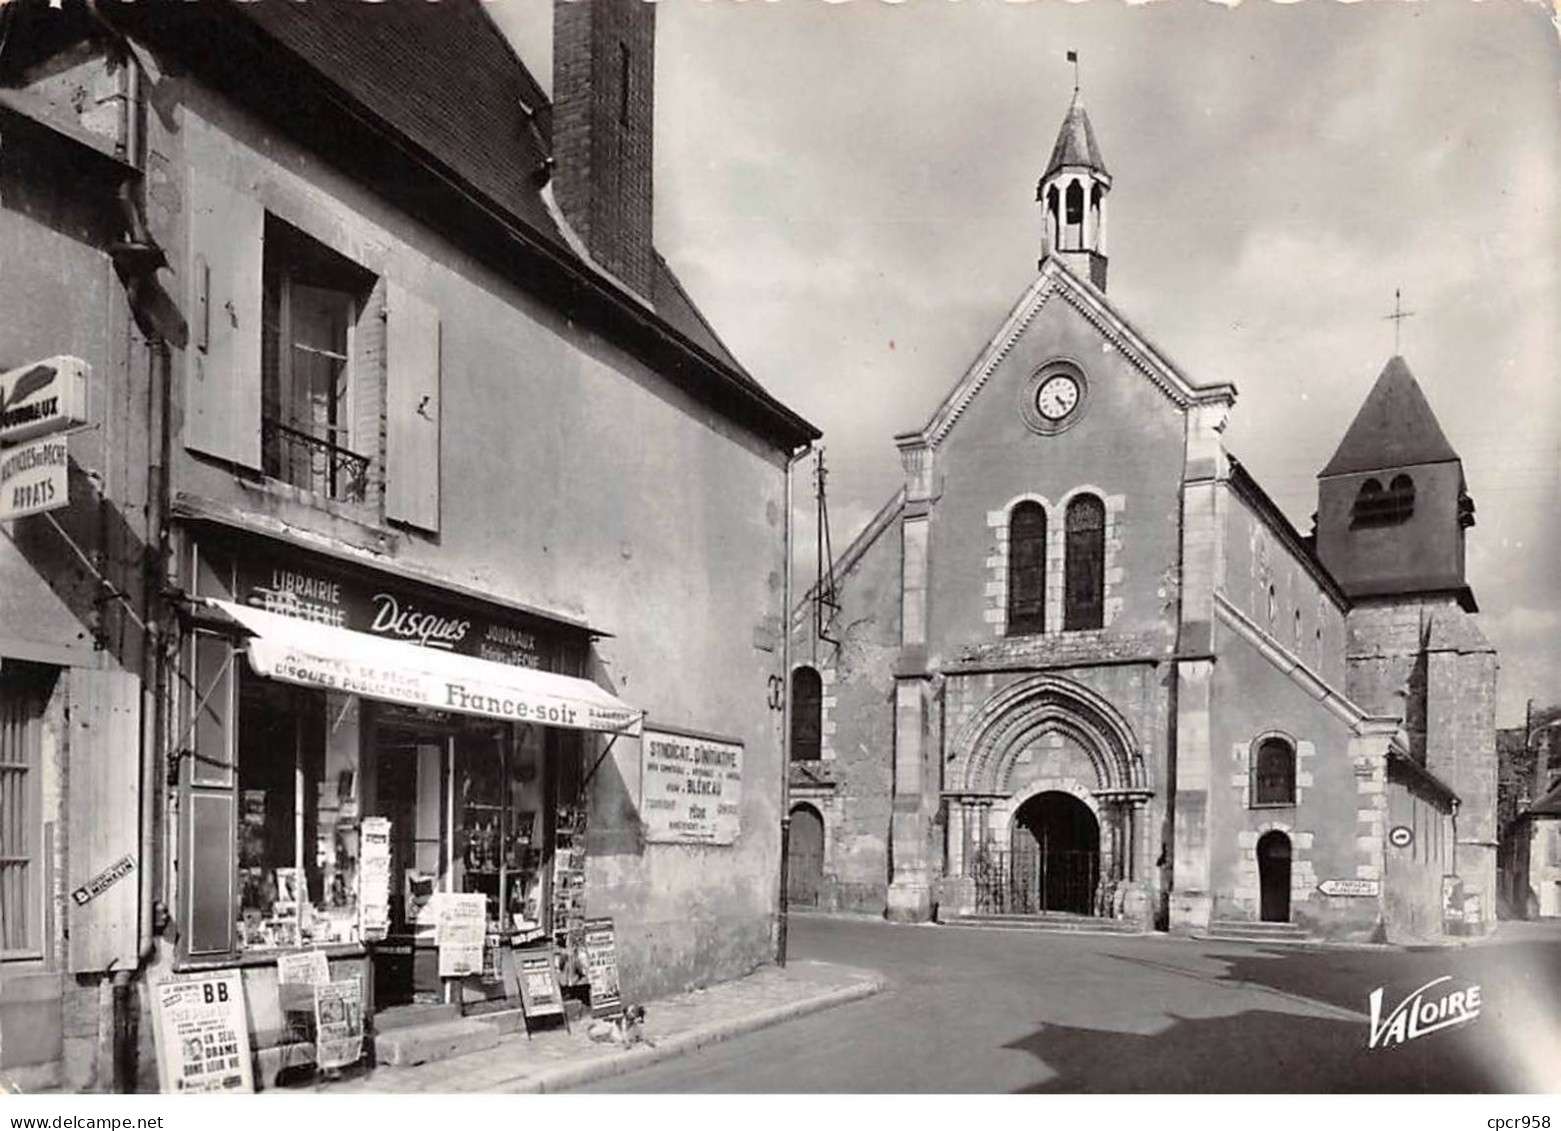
(982, 1010)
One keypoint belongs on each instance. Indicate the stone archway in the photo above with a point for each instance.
(1040, 735)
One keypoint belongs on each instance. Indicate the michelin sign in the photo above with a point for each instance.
(37, 402)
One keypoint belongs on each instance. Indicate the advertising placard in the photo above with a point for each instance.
(202, 1034)
(338, 1023)
(601, 967)
(691, 789)
(374, 878)
(538, 973)
(296, 976)
(34, 478)
(461, 928)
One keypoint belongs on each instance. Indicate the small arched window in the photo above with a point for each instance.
(1027, 569)
(1376, 506)
(807, 715)
(1084, 565)
(1273, 772)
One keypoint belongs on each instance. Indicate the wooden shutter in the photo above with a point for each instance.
(105, 819)
(222, 375)
(411, 410)
(367, 429)
(209, 858)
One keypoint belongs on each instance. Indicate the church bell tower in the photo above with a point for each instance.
(1072, 194)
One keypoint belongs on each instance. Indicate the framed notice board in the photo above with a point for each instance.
(601, 966)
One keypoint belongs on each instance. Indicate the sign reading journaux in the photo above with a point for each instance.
(691, 789)
(42, 398)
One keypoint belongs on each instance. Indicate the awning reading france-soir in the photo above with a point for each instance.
(339, 659)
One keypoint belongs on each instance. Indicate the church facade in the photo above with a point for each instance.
(1081, 664)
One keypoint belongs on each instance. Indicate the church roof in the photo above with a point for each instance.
(1548, 805)
(1394, 428)
(1076, 141)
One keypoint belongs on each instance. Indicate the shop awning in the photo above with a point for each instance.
(340, 659)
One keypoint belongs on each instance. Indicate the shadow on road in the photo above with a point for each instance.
(1251, 1051)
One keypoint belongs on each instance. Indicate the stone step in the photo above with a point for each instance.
(1243, 931)
(419, 1044)
(1046, 921)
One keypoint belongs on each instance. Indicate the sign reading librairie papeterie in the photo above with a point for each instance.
(42, 398)
(691, 788)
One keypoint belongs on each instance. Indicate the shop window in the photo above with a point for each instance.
(807, 715)
(24, 691)
(1379, 506)
(319, 408)
(1027, 569)
(1084, 594)
(297, 816)
(1273, 772)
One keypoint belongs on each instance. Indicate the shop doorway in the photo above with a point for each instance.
(467, 805)
(1273, 870)
(805, 857)
(1054, 855)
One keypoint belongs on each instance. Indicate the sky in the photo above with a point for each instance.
(847, 190)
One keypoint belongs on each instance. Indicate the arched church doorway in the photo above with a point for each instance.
(805, 857)
(1054, 855)
(1273, 875)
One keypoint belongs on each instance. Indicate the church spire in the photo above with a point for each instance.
(1072, 193)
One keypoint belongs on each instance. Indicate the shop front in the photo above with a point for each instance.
(369, 756)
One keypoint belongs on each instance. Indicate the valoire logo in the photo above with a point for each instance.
(1421, 1013)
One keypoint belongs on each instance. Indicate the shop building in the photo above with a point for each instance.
(457, 533)
(1080, 664)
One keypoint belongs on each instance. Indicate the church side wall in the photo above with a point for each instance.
(1267, 581)
(1331, 821)
(852, 786)
(1412, 888)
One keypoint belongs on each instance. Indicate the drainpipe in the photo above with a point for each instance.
(783, 928)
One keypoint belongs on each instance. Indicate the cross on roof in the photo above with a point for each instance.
(1397, 318)
(1073, 57)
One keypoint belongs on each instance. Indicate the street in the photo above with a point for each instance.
(983, 1010)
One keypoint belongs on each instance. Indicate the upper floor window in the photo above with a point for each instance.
(1084, 568)
(1379, 506)
(319, 408)
(807, 715)
(1273, 772)
(1027, 569)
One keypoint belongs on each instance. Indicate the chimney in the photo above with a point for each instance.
(603, 108)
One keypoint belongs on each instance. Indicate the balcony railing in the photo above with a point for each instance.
(315, 463)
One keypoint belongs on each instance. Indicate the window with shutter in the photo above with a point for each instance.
(1027, 569)
(1084, 566)
(315, 433)
(24, 692)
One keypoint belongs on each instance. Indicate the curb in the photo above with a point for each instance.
(631, 1060)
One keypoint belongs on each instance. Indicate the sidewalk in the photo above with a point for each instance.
(554, 1060)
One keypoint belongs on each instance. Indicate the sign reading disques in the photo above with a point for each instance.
(691, 789)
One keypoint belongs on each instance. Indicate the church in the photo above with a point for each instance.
(1081, 667)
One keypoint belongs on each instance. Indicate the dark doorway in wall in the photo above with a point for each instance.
(1054, 854)
(805, 860)
(1273, 874)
